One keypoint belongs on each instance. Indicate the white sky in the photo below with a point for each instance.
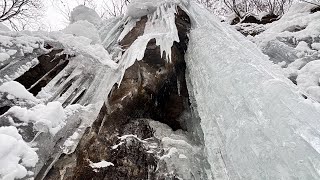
(53, 18)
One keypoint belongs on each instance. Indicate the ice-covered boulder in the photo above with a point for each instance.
(84, 13)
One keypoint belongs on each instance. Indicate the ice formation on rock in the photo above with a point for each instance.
(246, 121)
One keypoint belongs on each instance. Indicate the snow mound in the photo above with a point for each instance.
(85, 29)
(84, 13)
(15, 155)
(47, 118)
(16, 89)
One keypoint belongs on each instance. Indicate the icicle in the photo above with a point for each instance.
(178, 86)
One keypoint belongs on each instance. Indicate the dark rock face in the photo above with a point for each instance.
(150, 89)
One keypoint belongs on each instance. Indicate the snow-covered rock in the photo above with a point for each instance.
(84, 13)
(85, 29)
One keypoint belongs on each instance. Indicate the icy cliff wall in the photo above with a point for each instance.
(256, 124)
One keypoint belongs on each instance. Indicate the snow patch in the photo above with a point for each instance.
(101, 164)
(47, 118)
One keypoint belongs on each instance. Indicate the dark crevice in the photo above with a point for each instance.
(4, 109)
(39, 76)
(293, 79)
(79, 97)
(316, 9)
(37, 88)
(65, 77)
(304, 96)
(66, 87)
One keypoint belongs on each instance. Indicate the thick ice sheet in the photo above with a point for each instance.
(256, 124)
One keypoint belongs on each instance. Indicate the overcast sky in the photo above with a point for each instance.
(53, 17)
